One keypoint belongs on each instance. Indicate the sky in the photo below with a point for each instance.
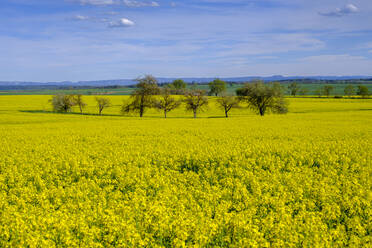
(75, 40)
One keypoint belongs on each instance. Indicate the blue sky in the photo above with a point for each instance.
(57, 40)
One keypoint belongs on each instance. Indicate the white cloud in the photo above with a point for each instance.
(97, 2)
(123, 22)
(226, 40)
(80, 18)
(346, 10)
(132, 3)
(79, 58)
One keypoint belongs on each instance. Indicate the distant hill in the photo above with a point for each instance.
(127, 82)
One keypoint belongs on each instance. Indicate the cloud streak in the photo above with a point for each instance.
(97, 2)
(339, 12)
(136, 4)
(86, 39)
(80, 18)
(128, 3)
(332, 58)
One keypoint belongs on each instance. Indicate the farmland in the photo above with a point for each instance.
(126, 90)
(296, 180)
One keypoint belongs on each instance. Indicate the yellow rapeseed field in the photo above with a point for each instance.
(298, 180)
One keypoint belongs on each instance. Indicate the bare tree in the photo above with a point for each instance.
(79, 101)
(262, 97)
(227, 103)
(195, 101)
(143, 97)
(62, 103)
(166, 102)
(102, 103)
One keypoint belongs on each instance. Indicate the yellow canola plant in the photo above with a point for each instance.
(296, 180)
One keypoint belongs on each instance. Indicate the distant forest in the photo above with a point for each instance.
(310, 85)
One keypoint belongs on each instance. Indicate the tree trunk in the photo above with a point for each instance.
(141, 107)
(165, 114)
(81, 110)
(194, 113)
(226, 114)
(262, 111)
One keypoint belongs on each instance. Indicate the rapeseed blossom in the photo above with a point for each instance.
(300, 180)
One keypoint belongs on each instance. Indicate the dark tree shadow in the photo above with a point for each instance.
(128, 116)
(62, 113)
(118, 115)
(218, 117)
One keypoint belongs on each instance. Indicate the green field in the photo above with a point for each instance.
(296, 180)
(90, 91)
(231, 89)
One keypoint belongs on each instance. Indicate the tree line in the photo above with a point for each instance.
(326, 90)
(260, 97)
